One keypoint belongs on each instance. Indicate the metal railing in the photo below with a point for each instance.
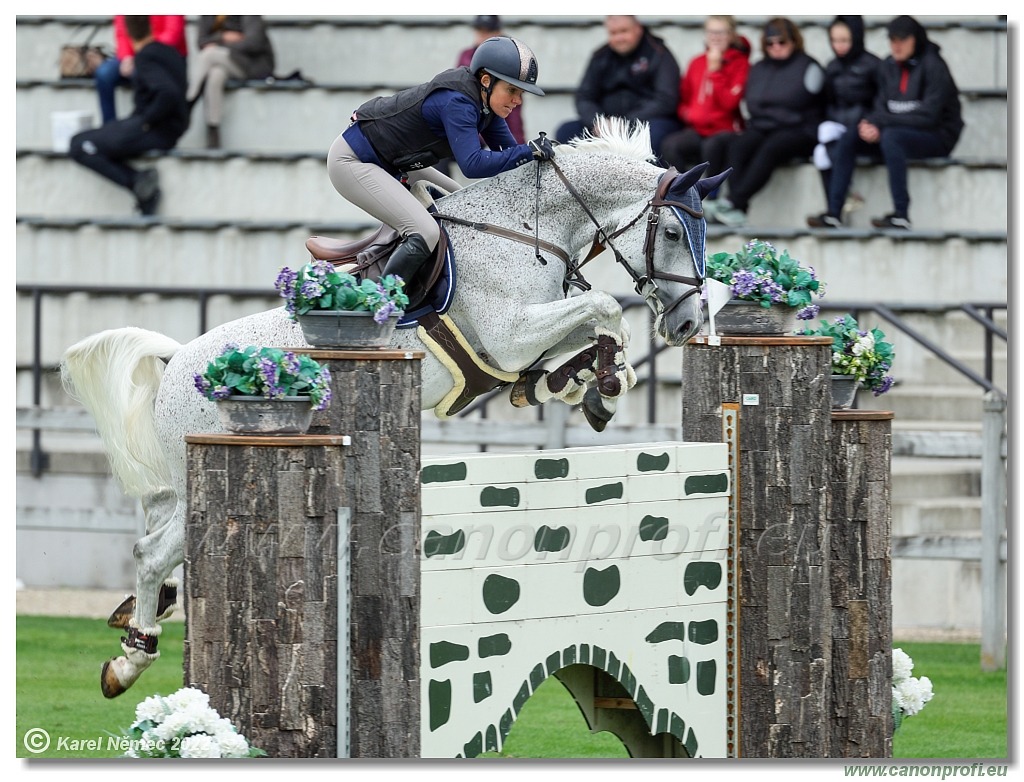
(981, 313)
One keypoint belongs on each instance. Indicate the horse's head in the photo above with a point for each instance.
(669, 271)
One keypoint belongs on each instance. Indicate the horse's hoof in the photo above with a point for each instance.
(522, 393)
(596, 413)
(168, 598)
(109, 683)
(165, 607)
(122, 614)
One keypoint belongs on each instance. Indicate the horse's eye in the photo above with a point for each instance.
(672, 234)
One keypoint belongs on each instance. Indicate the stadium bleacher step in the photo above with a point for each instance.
(295, 186)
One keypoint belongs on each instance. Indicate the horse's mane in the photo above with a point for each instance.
(614, 135)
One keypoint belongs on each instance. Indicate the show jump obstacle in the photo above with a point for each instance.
(726, 596)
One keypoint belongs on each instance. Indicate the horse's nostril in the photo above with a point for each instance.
(687, 327)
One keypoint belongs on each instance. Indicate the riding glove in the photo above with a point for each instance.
(542, 149)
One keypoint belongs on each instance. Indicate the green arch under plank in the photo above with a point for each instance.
(658, 720)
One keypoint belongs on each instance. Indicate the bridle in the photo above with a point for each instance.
(645, 284)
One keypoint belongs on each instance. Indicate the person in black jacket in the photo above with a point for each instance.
(784, 103)
(158, 120)
(633, 76)
(916, 114)
(851, 81)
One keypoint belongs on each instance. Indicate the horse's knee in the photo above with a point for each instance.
(606, 308)
(625, 332)
(160, 551)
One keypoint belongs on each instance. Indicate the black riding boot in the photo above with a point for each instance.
(411, 254)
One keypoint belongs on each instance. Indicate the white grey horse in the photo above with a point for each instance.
(600, 191)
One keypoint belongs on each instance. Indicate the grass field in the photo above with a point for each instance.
(57, 690)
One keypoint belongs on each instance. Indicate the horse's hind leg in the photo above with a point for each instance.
(156, 556)
(159, 508)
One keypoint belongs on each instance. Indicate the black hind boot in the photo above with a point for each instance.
(406, 261)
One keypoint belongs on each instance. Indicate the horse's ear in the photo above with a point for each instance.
(711, 184)
(684, 182)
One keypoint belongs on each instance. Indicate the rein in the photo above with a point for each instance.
(508, 233)
(645, 284)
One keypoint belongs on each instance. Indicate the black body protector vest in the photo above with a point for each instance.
(395, 127)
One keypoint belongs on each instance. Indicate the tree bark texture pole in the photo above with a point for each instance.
(374, 596)
(261, 577)
(859, 517)
(376, 401)
(781, 385)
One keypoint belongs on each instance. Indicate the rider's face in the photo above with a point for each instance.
(505, 98)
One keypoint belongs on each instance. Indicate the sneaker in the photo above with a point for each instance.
(147, 191)
(891, 221)
(213, 136)
(731, 216)
(147, 206)
(824, 220)
(146, 183)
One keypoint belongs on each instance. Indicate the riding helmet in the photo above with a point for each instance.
(507, 59)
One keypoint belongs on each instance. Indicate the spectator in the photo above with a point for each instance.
(784, 107)
(158, 120)
(633, 76)
(709, 95)
(851, 81)
(486, 27)
(401, 137)
(235, 47)
(916, 114)
(117, 71)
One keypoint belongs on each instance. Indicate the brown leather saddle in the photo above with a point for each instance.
(365, 258)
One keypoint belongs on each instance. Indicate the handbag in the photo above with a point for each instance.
(80, 60)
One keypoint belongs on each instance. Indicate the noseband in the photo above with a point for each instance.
(645, 284)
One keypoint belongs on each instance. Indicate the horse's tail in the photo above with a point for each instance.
(116, 375)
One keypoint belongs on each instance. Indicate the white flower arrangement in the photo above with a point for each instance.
(909, 693)
(183, 725)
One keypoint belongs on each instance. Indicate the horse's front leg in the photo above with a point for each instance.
(549, 328)
(156, 556)
(581, 321)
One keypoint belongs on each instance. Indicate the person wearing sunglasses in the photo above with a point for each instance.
(785, 103)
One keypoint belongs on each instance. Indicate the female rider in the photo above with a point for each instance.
(396, 139)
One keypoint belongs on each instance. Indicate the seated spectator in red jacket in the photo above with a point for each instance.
(710, 94)
(633, 76)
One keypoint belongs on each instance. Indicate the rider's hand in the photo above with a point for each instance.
(542, 149)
